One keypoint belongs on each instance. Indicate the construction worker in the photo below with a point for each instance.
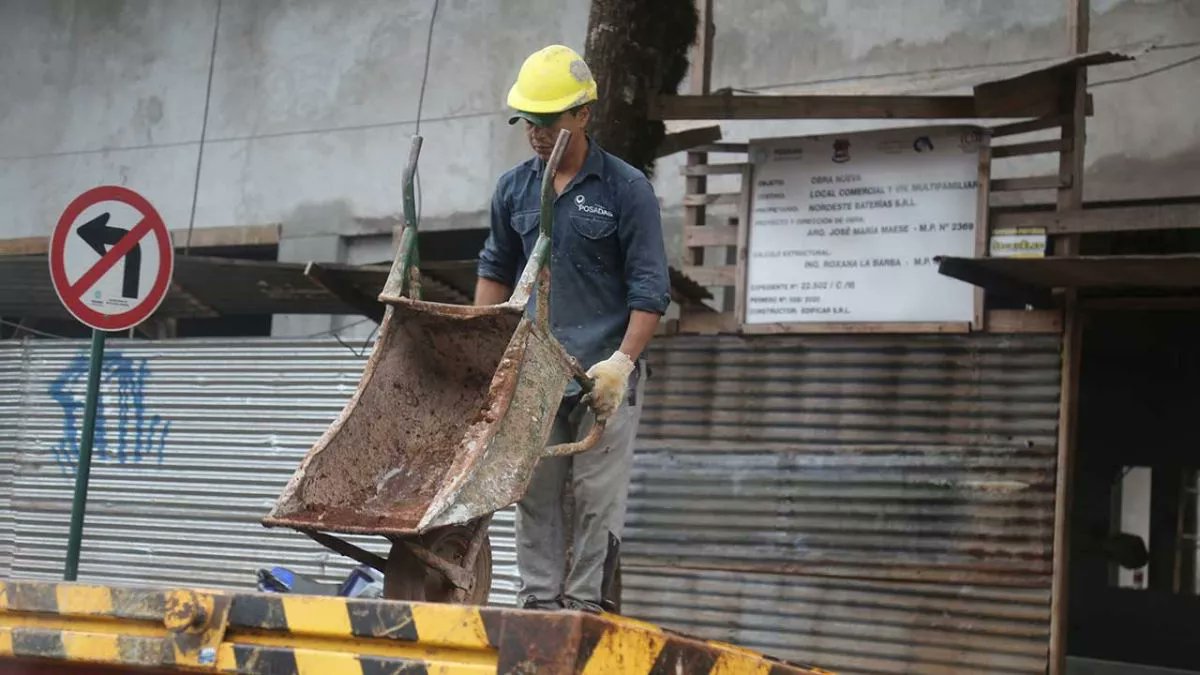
(609, 286)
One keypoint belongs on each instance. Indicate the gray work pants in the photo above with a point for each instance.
(599, 485)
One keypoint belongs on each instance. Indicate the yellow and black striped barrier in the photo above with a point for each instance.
(76, 628)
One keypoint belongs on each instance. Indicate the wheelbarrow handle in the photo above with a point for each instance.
(588, 442)
(593, 437)
(537, 269)
(404, 270)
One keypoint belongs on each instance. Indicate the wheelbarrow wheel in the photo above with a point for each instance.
(406, 577)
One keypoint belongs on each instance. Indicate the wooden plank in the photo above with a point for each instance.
(737, 148)
(743, 244)
(1067, 419)
(1106, 219)
(1029, 95)
(1070, 198)
(1029, 183)
(1014, 128)
(687, 140)
(1079, 20)
(707, 323)
(365, 305)
(244, 235)
(1025, 321)
(717, 275)
(1032, 322)
(703, 53)
(694, 216)
(1037, 90)
(857, 328)
(1031, 148)
(999, 321)
(713, 199)
(982, 228)
(202, 237)
(731, 107)
(713, 169)
(198, 307)
(710, 235)
(667, 327)
(701, 83)
(24, 246)
(729, 295)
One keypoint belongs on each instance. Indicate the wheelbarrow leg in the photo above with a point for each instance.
(450, 564)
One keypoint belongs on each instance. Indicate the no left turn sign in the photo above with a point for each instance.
(111, 258)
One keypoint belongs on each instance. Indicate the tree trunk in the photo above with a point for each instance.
(636, 49)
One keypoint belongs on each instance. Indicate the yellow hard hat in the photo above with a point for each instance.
(551, 80)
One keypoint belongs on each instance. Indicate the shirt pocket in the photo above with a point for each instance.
(525, 222)
(593, 228)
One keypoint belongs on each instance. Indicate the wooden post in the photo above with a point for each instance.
(701, 83)
(983, 228)
(740, 286)
(1070, 198)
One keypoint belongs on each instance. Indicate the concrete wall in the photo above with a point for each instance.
(312, 103)
(1143, 140)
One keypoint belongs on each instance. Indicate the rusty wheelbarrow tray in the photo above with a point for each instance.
(449, 419)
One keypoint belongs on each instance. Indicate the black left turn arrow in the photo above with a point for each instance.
(98, 234)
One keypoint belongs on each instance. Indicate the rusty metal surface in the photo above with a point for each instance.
(83, 623)
(868, 503)
(428, 391)
(281, 634)
(507, 441)
(449, 420)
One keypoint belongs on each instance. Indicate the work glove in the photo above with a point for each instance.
(610, 379)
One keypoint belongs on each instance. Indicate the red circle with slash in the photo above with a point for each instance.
(75, 269)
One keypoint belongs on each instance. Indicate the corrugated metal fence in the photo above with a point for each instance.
(868, 504)
(195, 440)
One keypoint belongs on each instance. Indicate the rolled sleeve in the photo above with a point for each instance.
(640, 231)
(502, 249)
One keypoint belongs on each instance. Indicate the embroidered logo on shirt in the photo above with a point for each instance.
(591, 208)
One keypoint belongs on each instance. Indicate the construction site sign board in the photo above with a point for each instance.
(846, 228)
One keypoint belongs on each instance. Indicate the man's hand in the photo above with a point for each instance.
(610, 380)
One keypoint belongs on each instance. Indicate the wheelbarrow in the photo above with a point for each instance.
(452, 413)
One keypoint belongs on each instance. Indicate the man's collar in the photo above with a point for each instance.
(593, 162)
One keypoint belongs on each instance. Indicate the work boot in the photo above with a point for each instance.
(582, 606)
(531, 602)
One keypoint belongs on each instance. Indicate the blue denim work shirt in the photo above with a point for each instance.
(607, 255)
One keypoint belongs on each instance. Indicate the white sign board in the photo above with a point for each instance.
(845, 228)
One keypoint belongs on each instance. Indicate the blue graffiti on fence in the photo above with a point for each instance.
(136, 438)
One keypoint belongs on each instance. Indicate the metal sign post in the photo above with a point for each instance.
(110, 261)
(83, 468)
